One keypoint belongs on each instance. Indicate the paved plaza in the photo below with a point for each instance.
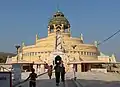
(92, 79)
(87, 79)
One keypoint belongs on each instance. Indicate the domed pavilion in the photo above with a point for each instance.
(59, 42)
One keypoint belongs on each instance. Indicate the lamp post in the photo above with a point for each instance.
(39, 65)
(74, 46)
(74, 71)
(17, 48)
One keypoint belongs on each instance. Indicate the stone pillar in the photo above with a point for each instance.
(62, 28)
(35, 67)
(48, 30)
(42, 68)
(38, 68)
(89, 67)
(70, 68)
(79, 67)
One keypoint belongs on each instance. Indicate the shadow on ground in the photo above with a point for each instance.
(98, 83)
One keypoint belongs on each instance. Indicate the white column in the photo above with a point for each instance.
(42, 69)
(71, 68)
(79, 67)
(35, 67)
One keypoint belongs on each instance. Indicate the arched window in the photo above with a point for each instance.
(66, 30)
(81, 53)
(51, 30)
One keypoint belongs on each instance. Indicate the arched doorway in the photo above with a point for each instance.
(57, 58)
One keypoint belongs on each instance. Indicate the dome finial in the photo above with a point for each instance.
(58, 10)
(23, 44)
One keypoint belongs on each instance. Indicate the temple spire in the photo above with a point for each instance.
(37, 37)
(23, 44)
(96, 43)
(58, 6)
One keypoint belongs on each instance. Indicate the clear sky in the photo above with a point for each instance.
(20, 20)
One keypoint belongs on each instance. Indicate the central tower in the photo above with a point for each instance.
(58, 26)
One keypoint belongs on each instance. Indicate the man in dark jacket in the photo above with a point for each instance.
(62, 73)
(57, 73)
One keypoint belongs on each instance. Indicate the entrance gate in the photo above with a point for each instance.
(57, 58)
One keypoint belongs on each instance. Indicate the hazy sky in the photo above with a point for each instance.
(20, 20)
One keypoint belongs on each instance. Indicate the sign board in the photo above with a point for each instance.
(16, 72)
(5, 79)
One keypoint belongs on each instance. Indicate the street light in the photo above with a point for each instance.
(74, 71)
(17, 48)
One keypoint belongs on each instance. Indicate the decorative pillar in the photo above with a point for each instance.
(71, 68)
(96, 43)
(89, 67)
(62, 28)
(38, 68)
(81, 37)
(48, 29)
(35, 67)
(54, 28)
(23, 44)
(42, 68)
(37, 37)
(69, 28)
(79, 67)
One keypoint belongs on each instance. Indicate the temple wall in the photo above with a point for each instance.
(106, 59)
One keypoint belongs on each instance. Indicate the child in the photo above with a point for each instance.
(32, 77)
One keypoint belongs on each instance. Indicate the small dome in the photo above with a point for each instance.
(58, 19)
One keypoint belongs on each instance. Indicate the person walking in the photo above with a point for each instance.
(57, 73)
(32, 77)
(62, 73)
(50, 71)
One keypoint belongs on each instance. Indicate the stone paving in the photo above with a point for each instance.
(91, 79)
(98, 76)
(43, 81)
(88, 79)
